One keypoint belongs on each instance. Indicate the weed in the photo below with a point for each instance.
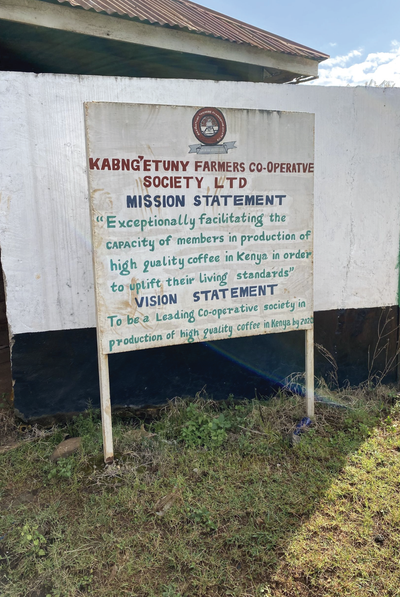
(8, 428)
(385, 335)
(265, 591)
(202, 517)
(210, 500)
(202, 430)
(218, 430)
(195, 431)
(31, 541)
(170, 591)
(333, 374)
(85, 583)
(63, 469)
(88, 427)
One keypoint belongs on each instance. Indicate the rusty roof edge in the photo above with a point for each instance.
(309, 53)
(253, 27)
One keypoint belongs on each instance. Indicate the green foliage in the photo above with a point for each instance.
(202, 517)
(265, 591)
(195, 432)
(88, 427)
(85, 582)
(63, 468)
(202, 430)
(170, 591)
(210, 500)
(218, 430)
(85, 424)
(32, 541)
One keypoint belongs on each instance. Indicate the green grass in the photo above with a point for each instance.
(210, 500)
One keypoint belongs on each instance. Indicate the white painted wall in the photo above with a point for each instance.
(44, 211)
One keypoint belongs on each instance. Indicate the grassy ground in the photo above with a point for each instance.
(210, 500)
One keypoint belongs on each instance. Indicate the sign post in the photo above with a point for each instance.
(202, 226)
(310, 372)
(105, 406)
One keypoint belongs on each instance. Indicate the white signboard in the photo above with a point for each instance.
(202, 223)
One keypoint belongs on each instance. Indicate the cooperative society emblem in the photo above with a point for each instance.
(209, 127)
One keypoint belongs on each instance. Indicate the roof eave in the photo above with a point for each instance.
(189, 16)
(68, 18)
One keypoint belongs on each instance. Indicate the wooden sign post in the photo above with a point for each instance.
(202, 227)
(310, 372)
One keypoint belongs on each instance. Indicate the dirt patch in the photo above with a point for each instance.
(8, 428)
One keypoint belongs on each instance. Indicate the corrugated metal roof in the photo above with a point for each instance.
(199, 19)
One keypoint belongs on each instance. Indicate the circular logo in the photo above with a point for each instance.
(209, 126)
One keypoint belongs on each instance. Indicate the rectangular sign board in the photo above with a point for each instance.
(202, 223)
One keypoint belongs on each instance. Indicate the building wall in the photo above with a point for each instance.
(44, 212)
(5, 368)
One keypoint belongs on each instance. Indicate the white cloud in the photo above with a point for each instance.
(341, 60)
(345, 70)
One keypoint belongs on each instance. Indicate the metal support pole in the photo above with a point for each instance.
(105, 404)
(310, 372)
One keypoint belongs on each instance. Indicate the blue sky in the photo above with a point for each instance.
(361, 36)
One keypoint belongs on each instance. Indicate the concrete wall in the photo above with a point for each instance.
(44, 212)
(44, 215)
